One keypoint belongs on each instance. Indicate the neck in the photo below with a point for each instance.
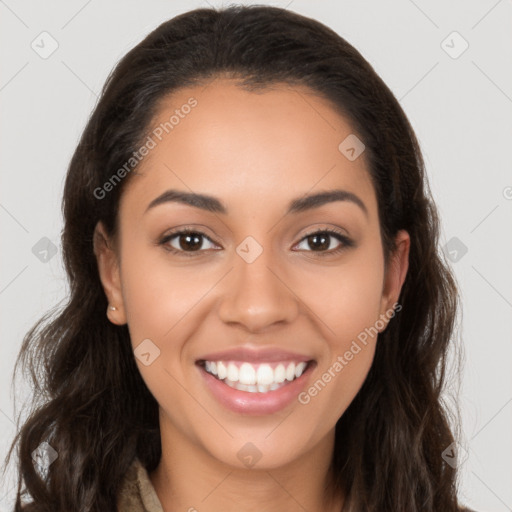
(190, 479)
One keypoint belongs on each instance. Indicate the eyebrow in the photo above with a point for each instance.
(214, 205)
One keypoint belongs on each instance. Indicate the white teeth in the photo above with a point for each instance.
(232, 372)
(222, 371)
(255, 378)
(299, 369)
(247, 374)
(279, 373)
(264, 375)
(290, 371)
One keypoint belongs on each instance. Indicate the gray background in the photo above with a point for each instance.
(461, 111)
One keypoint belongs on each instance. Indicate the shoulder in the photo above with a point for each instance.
(137, 493)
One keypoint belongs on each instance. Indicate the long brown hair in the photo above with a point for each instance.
(90, 403)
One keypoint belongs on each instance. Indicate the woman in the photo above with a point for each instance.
(258, 315)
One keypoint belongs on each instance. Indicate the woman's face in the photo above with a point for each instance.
(241, 170)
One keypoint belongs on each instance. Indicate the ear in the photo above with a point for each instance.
(395, 275)
(108, 268)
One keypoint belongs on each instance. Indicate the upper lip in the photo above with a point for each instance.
(254, 355)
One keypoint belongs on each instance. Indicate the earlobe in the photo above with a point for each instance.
(396, 273)
(108, 270)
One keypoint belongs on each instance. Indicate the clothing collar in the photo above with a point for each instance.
(137, 493)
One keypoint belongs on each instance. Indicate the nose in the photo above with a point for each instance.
(257, 295)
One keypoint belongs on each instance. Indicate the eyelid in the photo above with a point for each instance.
(325, 229)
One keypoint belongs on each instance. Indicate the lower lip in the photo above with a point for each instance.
(245, 402)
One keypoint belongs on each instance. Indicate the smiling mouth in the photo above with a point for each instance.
(255, 378)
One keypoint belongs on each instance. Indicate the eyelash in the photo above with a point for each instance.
(345, 241)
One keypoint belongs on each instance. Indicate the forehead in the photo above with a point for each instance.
(267, 146)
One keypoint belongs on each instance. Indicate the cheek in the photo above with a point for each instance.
(346, 305)
(160, 302)
(345, 299)
(335, 385)
(156, 296)
(348, 326)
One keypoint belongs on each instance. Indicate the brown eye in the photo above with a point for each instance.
(323, 242)
(190, 241)
(186, 242)
(320, 241)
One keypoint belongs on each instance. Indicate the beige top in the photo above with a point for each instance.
(137, 493)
